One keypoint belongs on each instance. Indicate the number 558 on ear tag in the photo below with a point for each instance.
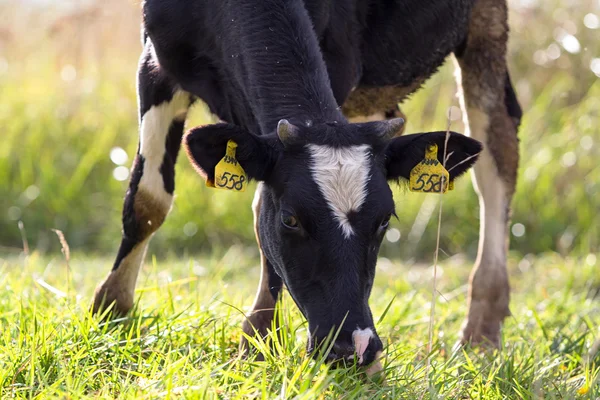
(428, 175)
(229, 174)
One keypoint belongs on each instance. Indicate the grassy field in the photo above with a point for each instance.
(68, 116)
(182, 339)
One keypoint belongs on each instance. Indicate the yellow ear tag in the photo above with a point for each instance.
(427, 176)
(229, 174)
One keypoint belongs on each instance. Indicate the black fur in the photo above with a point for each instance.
(407, 40)
(512, 104)
(254, 63)
(257, 62)
(328, 275)
(154, 87)
(275, 282)
(172, 145)
(131, 232)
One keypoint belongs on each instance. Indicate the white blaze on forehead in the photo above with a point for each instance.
(360, 338)
(342, 174)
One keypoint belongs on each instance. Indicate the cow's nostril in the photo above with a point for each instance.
(342, 351)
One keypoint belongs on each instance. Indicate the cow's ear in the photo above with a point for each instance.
(404, 152)
(206, 146)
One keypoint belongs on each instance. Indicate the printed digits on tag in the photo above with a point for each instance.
(422, 180)
(432, 184)
(231, 181)
(436, 183)
(222, 182)
(240, 184)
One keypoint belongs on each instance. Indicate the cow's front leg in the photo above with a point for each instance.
(260, 318)
(492, 116)
(163, 109)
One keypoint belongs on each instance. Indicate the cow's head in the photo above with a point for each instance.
(326, 204)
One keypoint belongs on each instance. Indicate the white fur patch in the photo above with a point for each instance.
(129, 268)
(154, 129)
(361, 338)
(490, 186)
(342, 175)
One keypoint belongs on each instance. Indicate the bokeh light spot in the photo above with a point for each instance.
(392, 235)
(68, 73)
(531, 174)
(518, 230)
(540, 57)
(591, 21)
(553, 51)
(595, 66)
(121, 173)
(32, 192)
(569, 159)
(14, 213)
(199, 270)
(118, 155)
(190, 229)
(571, 44)
(586, 142)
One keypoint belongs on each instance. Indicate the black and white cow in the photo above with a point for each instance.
(286, 76)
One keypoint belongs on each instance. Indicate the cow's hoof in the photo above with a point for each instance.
(109, 295)
(486, 333)
(483, 326)
(256, 325)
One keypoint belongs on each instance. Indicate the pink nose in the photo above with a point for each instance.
(361, 338)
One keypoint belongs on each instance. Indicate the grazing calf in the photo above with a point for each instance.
(277, 72)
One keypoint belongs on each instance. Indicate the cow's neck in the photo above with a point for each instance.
(283, 69)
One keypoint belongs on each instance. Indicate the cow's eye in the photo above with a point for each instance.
(385, 223)
(289, 221)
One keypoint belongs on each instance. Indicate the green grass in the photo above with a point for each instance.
(182, 339)
(58, 128)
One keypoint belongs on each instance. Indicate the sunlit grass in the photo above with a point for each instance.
(67, 99)
(183, 337)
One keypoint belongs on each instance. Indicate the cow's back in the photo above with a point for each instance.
(405, 41)
(384, 47)
(402, 43)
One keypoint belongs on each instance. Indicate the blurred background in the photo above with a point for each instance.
(68, 132)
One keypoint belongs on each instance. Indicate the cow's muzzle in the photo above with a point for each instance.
(361, 347)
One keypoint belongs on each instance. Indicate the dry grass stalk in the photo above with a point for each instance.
(435, 255)
(67, 253)
(24, 238)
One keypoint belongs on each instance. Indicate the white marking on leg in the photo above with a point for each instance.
(342, 175)
(154, 129)
(360, 338)
(130, 267)
(492, 193)
(119, 286)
